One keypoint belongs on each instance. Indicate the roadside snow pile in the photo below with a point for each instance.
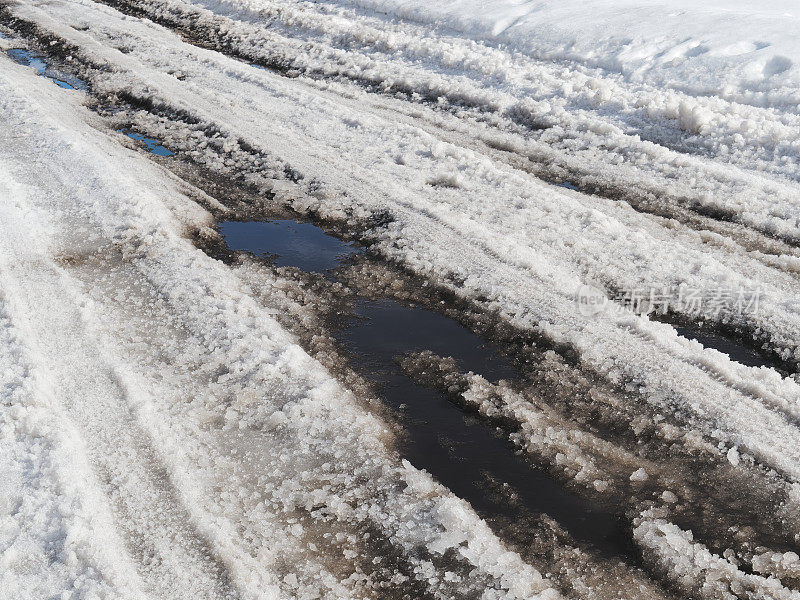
(738, 49)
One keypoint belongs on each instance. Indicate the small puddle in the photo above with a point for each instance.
(288, 243)
(458, 450)
(40, 64)
(737, 352)
(567, 185)
(153, 146)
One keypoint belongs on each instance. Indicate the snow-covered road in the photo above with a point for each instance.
(164, 435)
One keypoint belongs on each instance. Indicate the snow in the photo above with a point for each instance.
(779, 564)
(165, 436)
(626, 118)
(694, 569)
(137, 390)
(556, 233)
(56, 531)
(733, 48)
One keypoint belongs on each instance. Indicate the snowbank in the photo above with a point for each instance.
(717, 47)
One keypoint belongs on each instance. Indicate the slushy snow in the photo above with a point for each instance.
(162, 435)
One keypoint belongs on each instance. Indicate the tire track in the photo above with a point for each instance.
(173, 559)
(285, 48)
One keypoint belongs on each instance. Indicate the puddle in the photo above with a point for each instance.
(459, 450)
(569, 186)
(384, 329)
(40, 64)
(288, 243)
(153, 146)
(737, 352)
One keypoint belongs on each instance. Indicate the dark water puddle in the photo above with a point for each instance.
(403, 329)
(288, 243)
(40, 64)
(735, 351)
(567, 185)
(153, 146)
(460, 451)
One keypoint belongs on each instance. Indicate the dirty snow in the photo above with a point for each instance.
(164, 436)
